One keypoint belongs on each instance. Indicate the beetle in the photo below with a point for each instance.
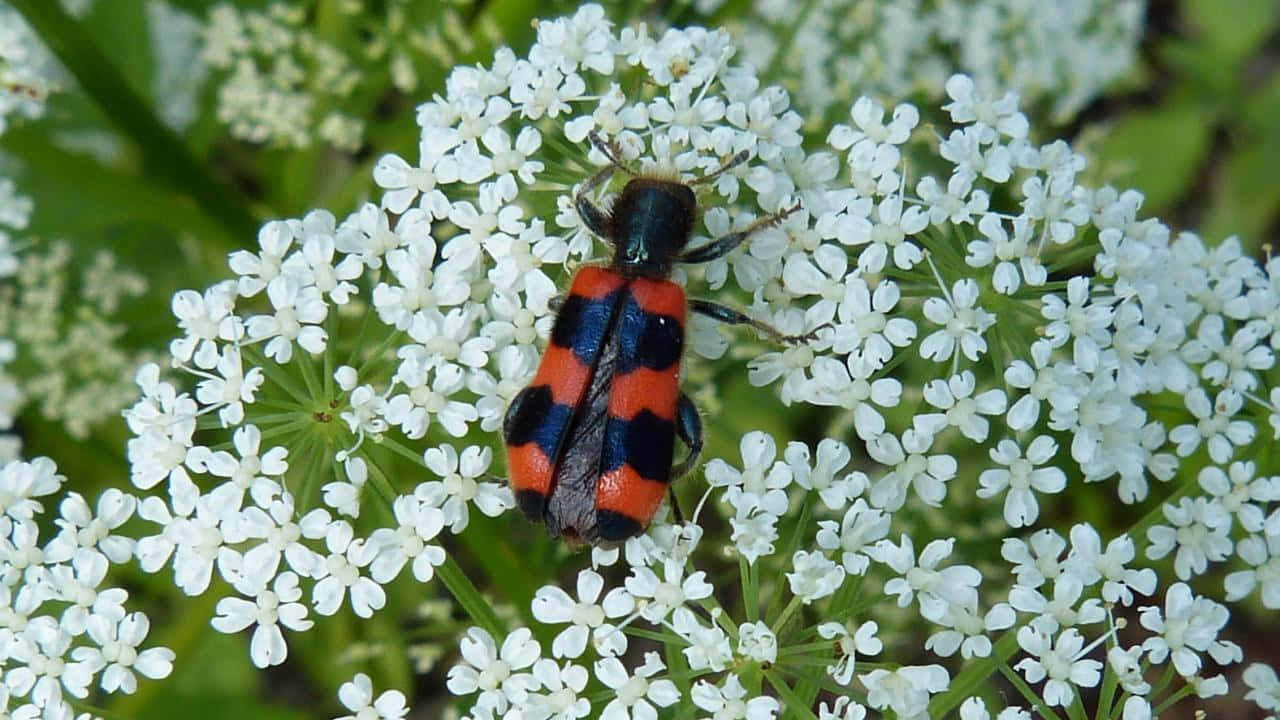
(591, 441)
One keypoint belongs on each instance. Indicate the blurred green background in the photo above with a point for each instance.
(1195, 126)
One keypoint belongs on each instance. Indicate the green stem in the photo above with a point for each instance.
(792, 704)
(465, 592)
(167, 157)
(1030, 695)
(974, 675)
(747, 573)
(1169, 702)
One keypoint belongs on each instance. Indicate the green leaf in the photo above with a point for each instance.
(1232, 28)
(165, 155)
(1157, 152)
(1246, 197)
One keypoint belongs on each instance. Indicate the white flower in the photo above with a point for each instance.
(357, 696)
(21, 482)
(559, 698)
(957, 204)
(1090, 563)
(866, 326)
(252, 472)
(1200, 532)
(833, 456)
(912, 469)
(314, 265)
(344, 495)
(1021, 477)
(1058, 383)
(762, 481)
(269, 610)
(82, 528)
(200, 541)
(969, 105)
(206, 319)
(967, 630)
(1060, 663)
(1262, 553)
(233, 389)
(937, 588)
(757, 642)
(709, 647)
(657, 598)
(299, 310)
(965, 149)
(858, 532)
(862, 640)
(1064, 610)
(420, 523)
(1233, 364)
(905, 691)
(460, 484)
(814, 576)
(963, 324)
(340, 573)
(1126, 663)
(754, 532)
(405, 183)
(585, 616)
(422, 284)
(729, 701)
(117, 655)
(1053, 202)
(1188, 626)
(78, 583)
(38, 668)
(1038, 560)
(1215, 425)
(635, 695)
(1264, 686)
(1239, 492)
(868, 116)
(493, 672)
(961, 408)
(255, 271)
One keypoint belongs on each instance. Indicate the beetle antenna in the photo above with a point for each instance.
(611, 150)
(733, 162)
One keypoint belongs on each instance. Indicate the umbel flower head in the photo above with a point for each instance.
(987, 339)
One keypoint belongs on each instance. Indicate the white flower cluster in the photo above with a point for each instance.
(285, 85)
(1041, 320)
(60, 339)
(64, 628)
(282, 83)
(1058, 54)
(28, 72)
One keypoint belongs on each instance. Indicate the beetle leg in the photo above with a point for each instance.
(596, 220)
(723, 246)
(729, 316)
(689, 429)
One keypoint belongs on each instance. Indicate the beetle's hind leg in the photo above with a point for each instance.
(689, 430)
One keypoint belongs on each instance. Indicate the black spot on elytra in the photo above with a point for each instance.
(647, 339)
(532, 503)
(535, 417)
(582, 324)
(645, 442)
(614, 526)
